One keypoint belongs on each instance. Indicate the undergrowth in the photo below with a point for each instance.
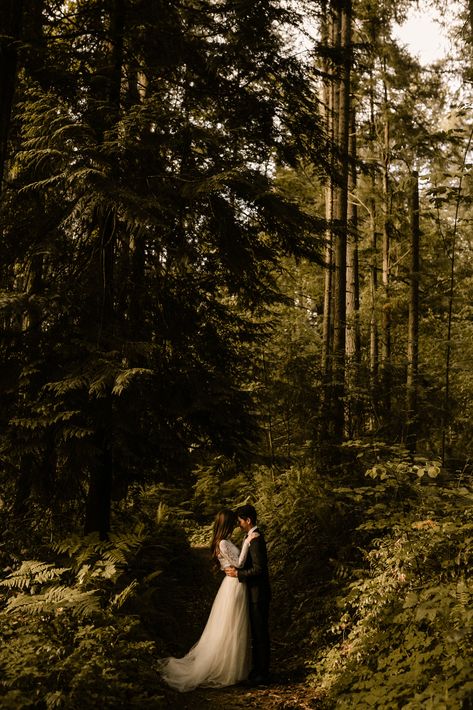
(403, 636)
(72, 632)
(372, 573)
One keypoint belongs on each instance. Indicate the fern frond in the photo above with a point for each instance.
(85, 604)
(125, 378)
(98, 386)
(84, 575)
(119, 599)
(55, 699)
(80, 175)
(72, 544)
(115, 557)
(76, 432)
(30, 423)
(105, 569)
(38, 184)
(33, 572)
(68, 384)
(129, 541)
(56, 600)
(41, 421)
(162, 513)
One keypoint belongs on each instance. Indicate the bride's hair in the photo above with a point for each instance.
(225, 522)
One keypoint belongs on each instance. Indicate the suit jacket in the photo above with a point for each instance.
(255, 571)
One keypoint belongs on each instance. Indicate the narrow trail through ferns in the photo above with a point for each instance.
(189, 591)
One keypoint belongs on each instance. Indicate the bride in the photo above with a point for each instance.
(222, 654)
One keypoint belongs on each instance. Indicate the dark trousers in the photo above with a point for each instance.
(259, 619)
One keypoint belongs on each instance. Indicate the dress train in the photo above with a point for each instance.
(221, 656)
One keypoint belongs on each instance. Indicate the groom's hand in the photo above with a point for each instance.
(231, 572)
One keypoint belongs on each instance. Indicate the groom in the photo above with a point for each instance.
(255, 575)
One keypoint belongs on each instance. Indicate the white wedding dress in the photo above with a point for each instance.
(222, 654)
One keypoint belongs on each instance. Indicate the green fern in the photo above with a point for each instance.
(66, 385)
(124, 379)
(56, 600)
(119, 599)
(33, 572)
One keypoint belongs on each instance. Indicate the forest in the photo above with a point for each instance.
(236, 267)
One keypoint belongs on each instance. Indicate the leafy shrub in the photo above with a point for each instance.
(68, 638)
(403, 636)
(60, 663)
(378, 561)
(308, 534)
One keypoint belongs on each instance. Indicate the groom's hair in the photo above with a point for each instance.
(247, 511)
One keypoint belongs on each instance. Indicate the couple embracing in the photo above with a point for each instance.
(234, 645)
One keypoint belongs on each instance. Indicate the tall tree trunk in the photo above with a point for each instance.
(353, 340)
(374, 342)
(452, 254)
(337, 31)
(11, 16)
(386, 311)
(101, 477)
(329, 35)
(373, 271)
(329, 101)
(353, 286)
(343, 8)
(327, 327)
(413, 325)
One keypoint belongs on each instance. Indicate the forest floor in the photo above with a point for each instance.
(190, 591)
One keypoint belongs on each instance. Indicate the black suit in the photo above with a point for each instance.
(255, 575)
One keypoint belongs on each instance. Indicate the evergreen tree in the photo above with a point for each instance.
(151, 229)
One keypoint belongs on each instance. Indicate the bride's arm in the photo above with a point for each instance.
(245, 548)
(229, 553)
(232, 557)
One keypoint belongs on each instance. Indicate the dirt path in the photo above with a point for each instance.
(189, 608)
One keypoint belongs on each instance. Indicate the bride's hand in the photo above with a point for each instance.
(252, 536)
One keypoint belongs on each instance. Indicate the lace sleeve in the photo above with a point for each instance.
(231, 554)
